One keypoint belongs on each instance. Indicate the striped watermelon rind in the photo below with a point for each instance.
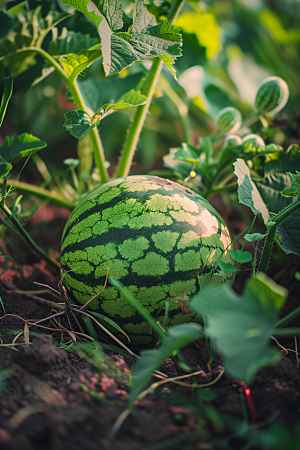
(272, 95)
(229, 120)
(160, 239)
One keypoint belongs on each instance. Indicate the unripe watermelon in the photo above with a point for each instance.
(160, 239)
(229, 120)
(272, 95)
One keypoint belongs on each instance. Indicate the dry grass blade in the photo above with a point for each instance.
(18, 418)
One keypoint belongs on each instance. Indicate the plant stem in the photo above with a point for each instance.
(42, 193)
(266, 253)
(138, 121)
(286, 332)
(291, 316)
(142, 110)
(26, 236)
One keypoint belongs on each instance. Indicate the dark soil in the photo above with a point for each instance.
(53, 399)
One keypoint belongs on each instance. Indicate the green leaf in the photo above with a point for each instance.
(240, 256)
(144, 39)
(79, 123)
(99, 92)
(150, 360)
(270, 295)
(20, 146)
(294, 189)
(288, 230)
(79, 61)
(241, 326)
(254, 237)
(70, 42)
(128, 100)
(5, 168)
(227, 267)
(247, 191)
(7, 91)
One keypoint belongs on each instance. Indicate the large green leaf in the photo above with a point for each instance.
(70, 42)
(144, 39)
(289, 234)
(240, 326)
(247, 191)
(20, 146)
(150, 360)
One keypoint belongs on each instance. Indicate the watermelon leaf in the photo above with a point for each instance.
(144, 39)
(79, 61)
(240, 256)
(79, 123)
(294, 189)
(20, 146)
(5, 168)
(288, 230)
(241, 325)
(150, 360)
(247, 191)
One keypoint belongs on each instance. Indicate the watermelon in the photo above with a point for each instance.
(272, 95)
(160, 239)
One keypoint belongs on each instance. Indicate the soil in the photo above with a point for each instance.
(54, 399)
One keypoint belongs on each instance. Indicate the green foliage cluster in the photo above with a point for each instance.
(113, 67)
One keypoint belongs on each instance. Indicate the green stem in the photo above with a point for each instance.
(141, 111)
(266, 253)
(26, 236)
(138, 121)
(286, 332)
(227, 187)
(291, 316)
(42, 193)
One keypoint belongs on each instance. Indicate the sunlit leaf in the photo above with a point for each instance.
(150, 360)
(128, 100)
(240, 326)
(247, 191)
(73, 61)
(20, 146)
(205, 28)
(144, 40)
